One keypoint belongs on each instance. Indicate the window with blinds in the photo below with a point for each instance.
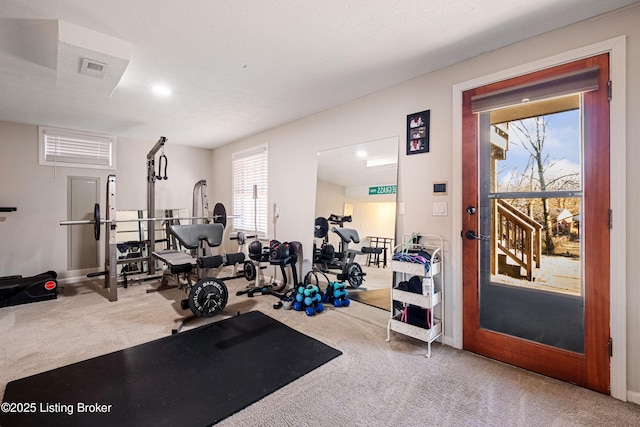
(62, 147)
(250, 191)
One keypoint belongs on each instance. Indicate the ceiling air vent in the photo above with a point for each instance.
(92, 68)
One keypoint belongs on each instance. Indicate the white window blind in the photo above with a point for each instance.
(61, 147)
(249, 170)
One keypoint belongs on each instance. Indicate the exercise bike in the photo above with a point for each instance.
(326, 258)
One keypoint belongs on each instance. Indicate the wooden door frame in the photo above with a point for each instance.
(616, 48)
(591, 367)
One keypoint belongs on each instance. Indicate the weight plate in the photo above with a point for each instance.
(354, 274)
(241, 238)
(255, 250)
(250, 272)
(328, 252)
(220, 214)
(321, 227)
(208, 297)
(96, 221)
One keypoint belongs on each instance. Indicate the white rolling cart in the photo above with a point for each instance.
(432, 296)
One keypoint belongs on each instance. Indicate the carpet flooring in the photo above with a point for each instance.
(373, 383)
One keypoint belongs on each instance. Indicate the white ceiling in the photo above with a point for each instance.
(347, 166)
(239, 67)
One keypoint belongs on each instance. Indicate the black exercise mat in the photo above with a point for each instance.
(194, 378)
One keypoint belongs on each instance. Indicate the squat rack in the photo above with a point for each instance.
(110, 249)
(111, 258)
(151, 196)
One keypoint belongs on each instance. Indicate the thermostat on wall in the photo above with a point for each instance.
(440, 188)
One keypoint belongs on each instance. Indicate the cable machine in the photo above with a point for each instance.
(151, 196)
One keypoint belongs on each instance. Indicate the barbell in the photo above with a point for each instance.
(219, 216)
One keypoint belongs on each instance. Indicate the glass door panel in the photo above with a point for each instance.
(531, 284)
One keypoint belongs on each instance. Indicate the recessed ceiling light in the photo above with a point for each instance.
(361, 153)
(161, 90)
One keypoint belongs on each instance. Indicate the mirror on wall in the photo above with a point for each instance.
(358, 183)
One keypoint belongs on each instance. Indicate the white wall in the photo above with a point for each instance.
(293, 149)
(32, 239)
(330, 199)
(373, 219)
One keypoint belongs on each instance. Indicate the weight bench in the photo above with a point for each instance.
(209, 295)
(348, 235)
(344, 260)
(15, 290)
(190, 237)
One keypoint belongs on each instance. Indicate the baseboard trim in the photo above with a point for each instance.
(633, 397)
(72, 280)
(450, 342)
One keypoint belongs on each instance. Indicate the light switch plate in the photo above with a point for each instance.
(439, 208)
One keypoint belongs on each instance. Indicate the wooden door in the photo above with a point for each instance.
(523, 301)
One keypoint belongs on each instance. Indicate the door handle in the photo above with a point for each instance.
(471, 235)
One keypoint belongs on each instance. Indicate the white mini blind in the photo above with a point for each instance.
(249, 170)
(61, 147)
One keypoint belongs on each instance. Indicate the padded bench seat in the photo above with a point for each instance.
(190, 236)
(176, 261)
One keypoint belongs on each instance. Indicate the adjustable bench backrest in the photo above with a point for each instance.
(190, 235)
(347, 234)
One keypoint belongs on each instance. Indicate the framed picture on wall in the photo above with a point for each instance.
(418, 132)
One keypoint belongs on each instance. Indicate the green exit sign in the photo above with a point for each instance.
(382, 189)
